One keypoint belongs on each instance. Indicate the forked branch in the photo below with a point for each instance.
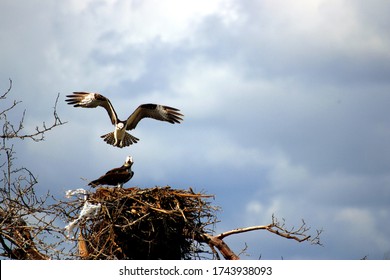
(299, 235)
(11, 131)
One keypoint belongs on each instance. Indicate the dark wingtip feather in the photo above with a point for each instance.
(175, 116)
(73, 101)
(172, 108)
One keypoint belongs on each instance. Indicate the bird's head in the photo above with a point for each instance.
(129, 161)
(120, 125)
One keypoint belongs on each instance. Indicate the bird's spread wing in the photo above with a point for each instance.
(92, 100)
(154, 111)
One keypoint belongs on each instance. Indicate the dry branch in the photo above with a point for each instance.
(18, 200)
(12, 131)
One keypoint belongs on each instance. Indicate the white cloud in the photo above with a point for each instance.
(142, 21)
(356, 217)
(365, 223)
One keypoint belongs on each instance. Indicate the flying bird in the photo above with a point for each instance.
(119, 137)
(117, 176)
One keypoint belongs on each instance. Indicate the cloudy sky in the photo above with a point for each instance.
(286, 108)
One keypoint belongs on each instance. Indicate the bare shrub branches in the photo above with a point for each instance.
(15, 130)
(27, 220)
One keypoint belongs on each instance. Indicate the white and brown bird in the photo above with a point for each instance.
(117, 176)
(119, 137)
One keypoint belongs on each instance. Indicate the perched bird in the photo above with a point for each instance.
(119, 137)
(117, 176)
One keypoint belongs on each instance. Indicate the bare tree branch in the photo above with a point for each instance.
(277, 228)
(11, 131)
(7, 91)
(215, 241)
(19, 204)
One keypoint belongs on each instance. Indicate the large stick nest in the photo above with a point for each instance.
(156, 223)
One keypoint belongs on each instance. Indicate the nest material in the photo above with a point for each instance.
(155, 223)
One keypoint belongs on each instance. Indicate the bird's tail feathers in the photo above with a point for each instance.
(128, 140)
(94, 184)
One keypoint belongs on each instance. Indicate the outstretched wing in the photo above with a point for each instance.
(92, 100)
(154, 111)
